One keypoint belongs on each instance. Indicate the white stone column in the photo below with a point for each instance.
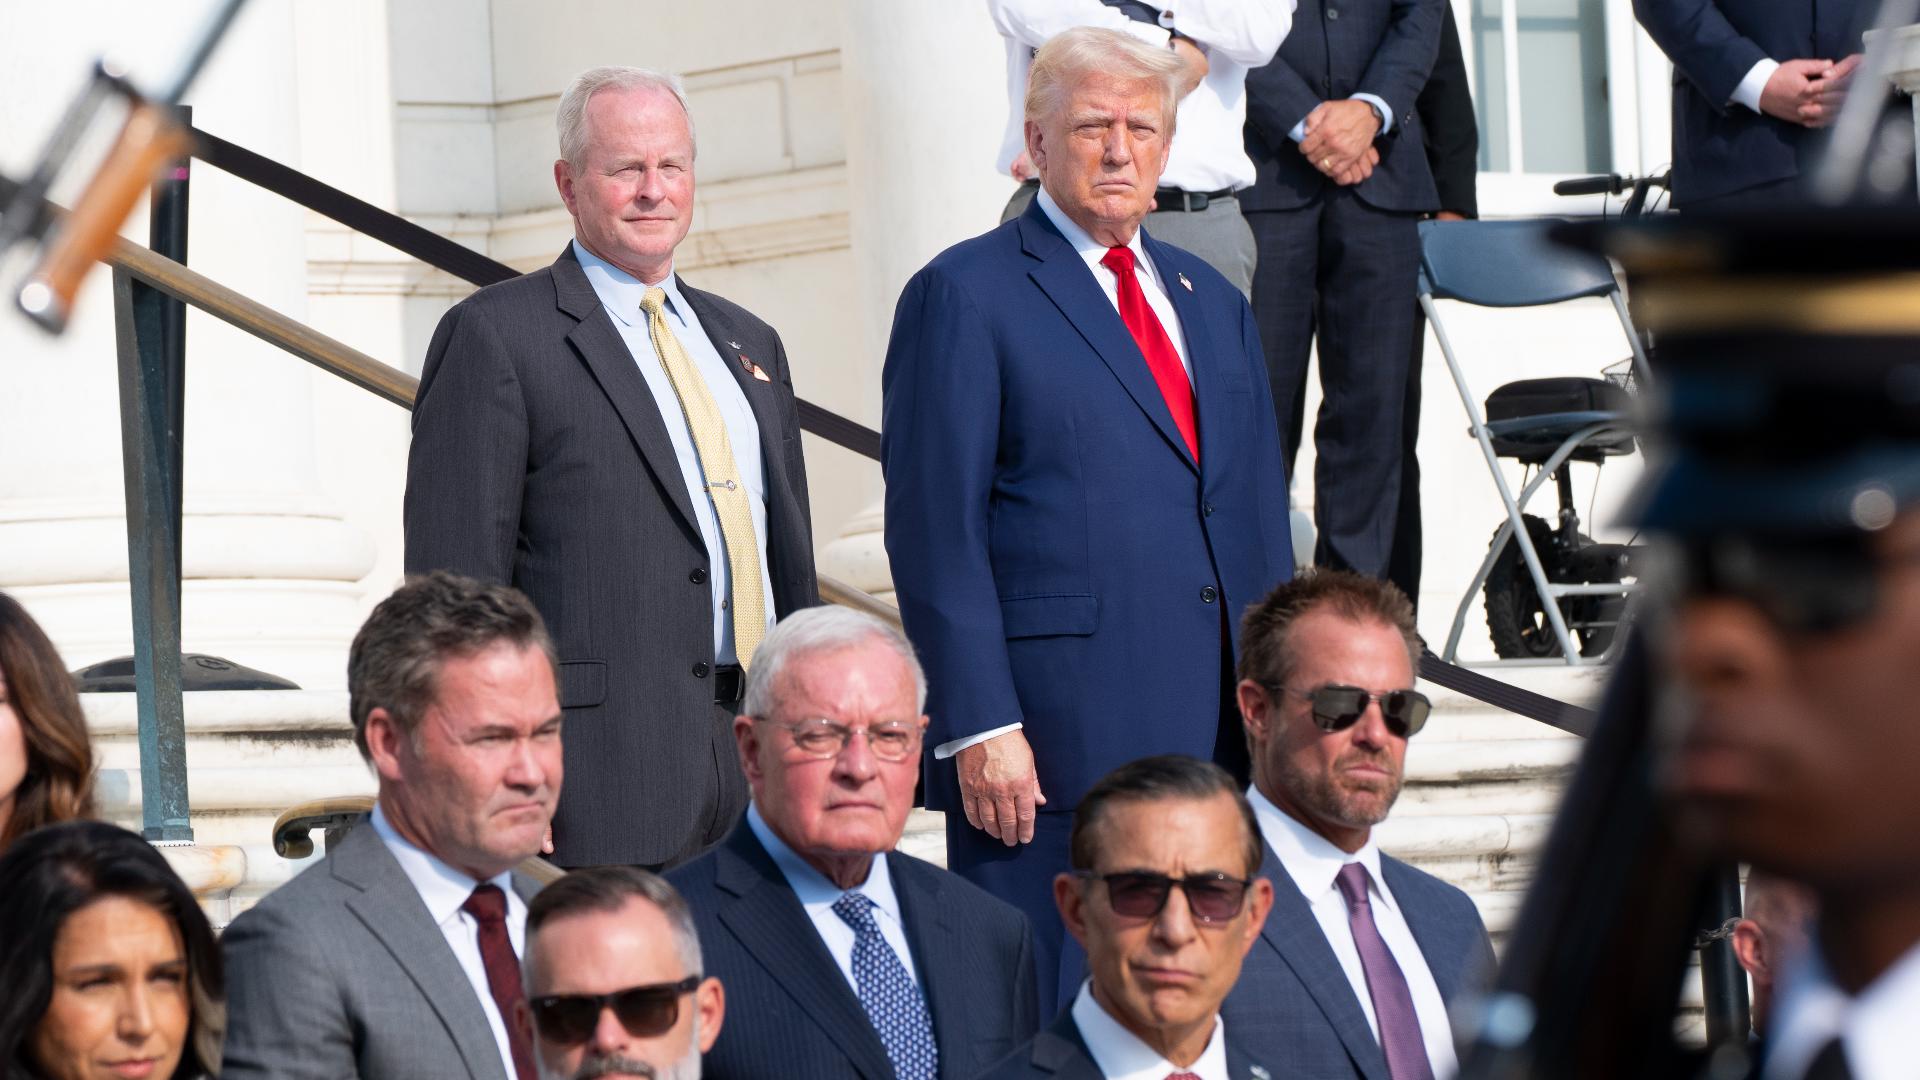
(272, 568)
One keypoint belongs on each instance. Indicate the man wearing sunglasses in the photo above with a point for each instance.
(613, 979)
(1363, 955)
(841, 956)
(1165, 900)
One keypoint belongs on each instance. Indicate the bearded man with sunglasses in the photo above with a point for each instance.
(613, 982)
(841, 956)
(1355, 970)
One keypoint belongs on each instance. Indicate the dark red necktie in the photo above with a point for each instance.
(1162, 360)
(488, 906)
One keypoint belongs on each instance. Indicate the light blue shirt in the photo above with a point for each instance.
(818, 896)
(620, 294)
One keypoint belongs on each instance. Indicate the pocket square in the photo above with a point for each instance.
(753, 369)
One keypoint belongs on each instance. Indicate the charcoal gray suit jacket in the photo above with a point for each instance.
(341, 973)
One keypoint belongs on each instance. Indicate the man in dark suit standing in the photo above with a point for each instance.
(1083, 484)
(841, 956)
(1754, 80)
(1341, 179)
(1165, 897)
(1354, 972)
(397, 954)
(626, 450)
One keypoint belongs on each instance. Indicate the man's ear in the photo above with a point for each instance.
(385, 744)
(746, 739)
(563, 180)
(1256, 708)
(1750, 948)
(1073, 906)
(711, 999)
(1259, 904)
(1036, 149)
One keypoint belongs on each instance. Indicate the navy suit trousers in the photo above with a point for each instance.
(1347, 273)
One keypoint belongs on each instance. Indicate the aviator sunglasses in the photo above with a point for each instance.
(1134, 894)
(645, 1011)
(1337, 708)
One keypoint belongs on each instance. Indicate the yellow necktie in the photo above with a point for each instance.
(724, 486)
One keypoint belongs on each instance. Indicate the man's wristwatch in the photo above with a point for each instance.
(1379, 117)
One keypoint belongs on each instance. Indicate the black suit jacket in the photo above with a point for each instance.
(540, 459)
(1060, 1053)
(1445, 107)
(1720, 147)
(790, 1011)
(1338, 48)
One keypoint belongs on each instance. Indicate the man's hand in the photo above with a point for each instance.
(1449, 215)
(1196, 62)
(998, 787)
(1793, 86)
(1022, 168)
(1359, 170)
(1829, 93)
(1338, 135)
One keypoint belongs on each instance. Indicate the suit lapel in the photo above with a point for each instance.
(1064, 277)
(1430, 931)
(766, 918)
(1060, 1050)
(394, 914)
(612, 364)
(935, 946)
(1294, 933)
(1208, 392)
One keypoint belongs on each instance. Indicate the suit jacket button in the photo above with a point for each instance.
(1333, 13)
(700, 669)
(1209, 594)
(698, 577)
(1206, 509)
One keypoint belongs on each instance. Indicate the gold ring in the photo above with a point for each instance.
(1326, 163)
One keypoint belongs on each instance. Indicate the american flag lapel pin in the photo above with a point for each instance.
(1185, 282)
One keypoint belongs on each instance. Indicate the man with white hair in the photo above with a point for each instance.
(841, 956)
(613, 979)
(1084, 485)
(625, 449)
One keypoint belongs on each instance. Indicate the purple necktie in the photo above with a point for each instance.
(1392, 1001)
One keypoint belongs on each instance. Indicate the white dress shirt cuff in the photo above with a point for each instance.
(1386, 110)
(953, 746)
(1748, 92)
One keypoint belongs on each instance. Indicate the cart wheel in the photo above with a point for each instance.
(1516, 619)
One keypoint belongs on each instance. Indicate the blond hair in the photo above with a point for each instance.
(1068, 58)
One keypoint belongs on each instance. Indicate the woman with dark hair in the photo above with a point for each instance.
(110, 969)
(46, 762)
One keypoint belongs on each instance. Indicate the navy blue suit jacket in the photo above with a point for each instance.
(1720, 147)
(1335, 50)
(790, 1011)
(1060, 1053)
(1293, 1008)
(1058, 557)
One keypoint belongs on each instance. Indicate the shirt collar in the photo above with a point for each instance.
(1875, 1026)
(620, 292)
(1083, 242)
(1122, 1056)
(1311, 860)
(442, 888)
(810, 885)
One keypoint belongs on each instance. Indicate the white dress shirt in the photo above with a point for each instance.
(444, 889)
(1208, 153)
(1122, 1056)
(1154, 289)
(1748, 92)
(620, 294)
(818, 895)
(1880, 1028)
(1313, 862)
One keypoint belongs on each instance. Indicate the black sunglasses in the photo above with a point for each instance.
(1337, 708)
(645, 1011)
(1804, 585)
(1212, 898)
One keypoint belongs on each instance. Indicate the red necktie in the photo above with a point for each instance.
(488, 906)
(1183, 1076)
(1155, 345)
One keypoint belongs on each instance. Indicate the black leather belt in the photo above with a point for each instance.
(1173, 198)
(729, 684)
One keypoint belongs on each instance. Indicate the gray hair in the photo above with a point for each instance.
(395, 661)
(607, 889)
(1071, 56)
(571, 117)
(822, 629)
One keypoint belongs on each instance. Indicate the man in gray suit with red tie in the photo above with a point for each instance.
(625, 449)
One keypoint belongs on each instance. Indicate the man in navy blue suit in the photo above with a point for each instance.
(1355, 968)
(1754, 81)
(1084, 484)
(1341, 180)
(840, 956)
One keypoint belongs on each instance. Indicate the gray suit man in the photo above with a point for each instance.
(625, 449)
(397, 955)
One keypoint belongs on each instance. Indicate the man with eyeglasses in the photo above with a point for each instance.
(1165, 899)
(613, 983)
(1364, 954)
(842, 956)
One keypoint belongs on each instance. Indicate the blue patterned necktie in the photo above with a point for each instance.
(888, 994)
